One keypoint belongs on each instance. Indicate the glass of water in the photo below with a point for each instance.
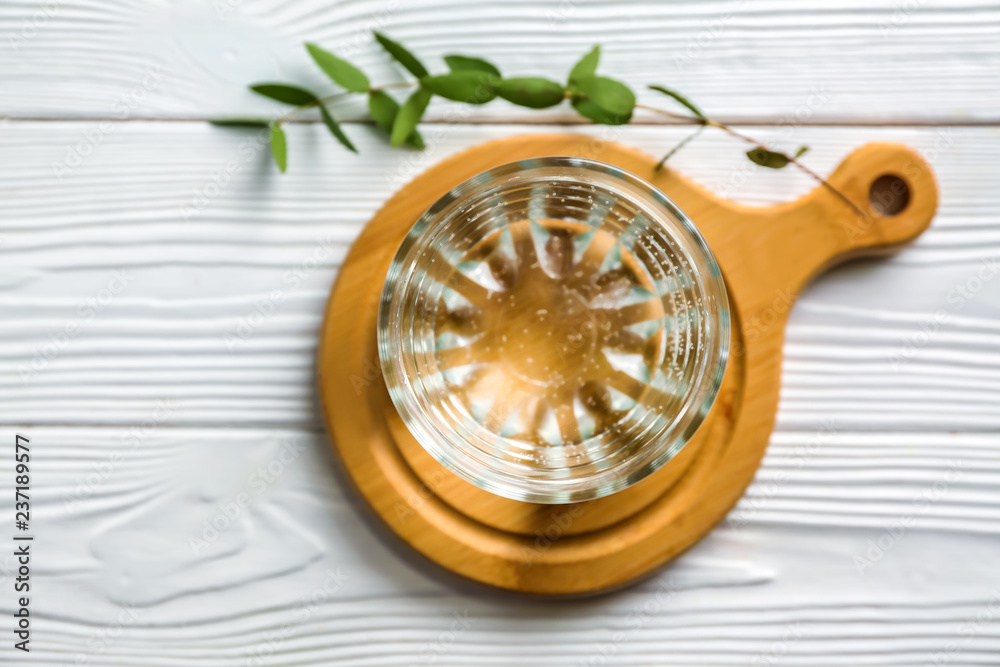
(553, 330)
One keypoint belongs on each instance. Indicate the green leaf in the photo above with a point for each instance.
(409, 115)
(383, 109)
(240, 122)
(469, 86)
(532, 92)
(680, 98)
(334, 126)
(279, 147)
(284, 93)
(464, 63)
(802, 151)
(611, 95)
(595, 113)
(766, 158)
(402, 56)
(603, 100)
(587, 65)
(343, 73)
(416, 140)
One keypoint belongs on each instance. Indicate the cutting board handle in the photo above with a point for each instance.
(765, 253)
(895, 189)
(777, 249)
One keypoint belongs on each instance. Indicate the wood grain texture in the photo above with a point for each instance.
(766, 254)
(733, 598)
(182, 328)
(776, 61)
(859, 438)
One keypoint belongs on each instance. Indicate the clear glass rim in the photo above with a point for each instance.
(705, 383)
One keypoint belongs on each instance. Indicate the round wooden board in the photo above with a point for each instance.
(767, 255)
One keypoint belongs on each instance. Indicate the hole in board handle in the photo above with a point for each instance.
(889, 195)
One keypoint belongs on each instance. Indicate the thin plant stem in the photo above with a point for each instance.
(806, 170)
(338, 96)
(682, 144)
(698, 119)
(750, 140)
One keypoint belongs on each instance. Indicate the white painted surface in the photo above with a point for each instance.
(148, 423)
(883, 60)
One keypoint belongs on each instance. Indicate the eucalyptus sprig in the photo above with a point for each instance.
(471, 80)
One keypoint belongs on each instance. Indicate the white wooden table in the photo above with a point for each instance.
(871, 535)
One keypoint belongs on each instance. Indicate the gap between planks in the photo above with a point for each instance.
(551, 121)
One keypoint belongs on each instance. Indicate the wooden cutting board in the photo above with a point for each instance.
(767, 256)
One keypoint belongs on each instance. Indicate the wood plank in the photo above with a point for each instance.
(785, 560)
(836, 478)
(867, 61)
(220, 312)
(878, 402)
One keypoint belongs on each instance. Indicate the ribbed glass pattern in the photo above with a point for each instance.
(553, 330)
